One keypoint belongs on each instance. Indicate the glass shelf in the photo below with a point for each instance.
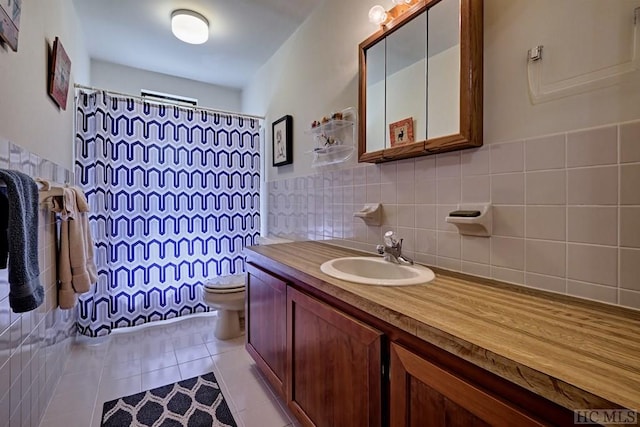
(330, 126)
(334, 140)
(332, 154)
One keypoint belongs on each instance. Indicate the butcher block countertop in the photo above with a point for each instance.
(577, 353)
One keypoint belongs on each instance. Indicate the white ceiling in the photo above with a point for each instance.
(243, 35)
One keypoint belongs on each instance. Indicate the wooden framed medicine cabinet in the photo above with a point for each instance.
(424, 65)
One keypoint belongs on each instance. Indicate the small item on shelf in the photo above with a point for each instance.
(336, 116)
(325, 119)
(315, 124)
(329, 140)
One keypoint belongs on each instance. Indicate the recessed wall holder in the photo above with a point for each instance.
(371, 214)
(476, 220)
(604, 77)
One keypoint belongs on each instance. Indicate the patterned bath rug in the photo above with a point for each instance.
(196, 402)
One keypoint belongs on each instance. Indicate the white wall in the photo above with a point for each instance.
(28, 116)
(561, 176)
(579, 36)
(316, 70)
(41, 135)
(107, 75)
(314, 73)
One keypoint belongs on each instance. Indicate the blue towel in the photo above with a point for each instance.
(26, 292)
(4, 224)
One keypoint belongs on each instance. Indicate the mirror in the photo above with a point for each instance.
(421, 82)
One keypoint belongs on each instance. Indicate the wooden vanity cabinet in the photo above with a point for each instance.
(327, 365)
(335, 364)
(266, 322)
(423, 394)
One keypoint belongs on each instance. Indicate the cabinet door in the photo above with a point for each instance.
(335, 365)
(424, 395)
(266, 318)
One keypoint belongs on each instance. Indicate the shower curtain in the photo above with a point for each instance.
(174, 196)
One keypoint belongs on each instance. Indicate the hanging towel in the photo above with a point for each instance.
(83, 212)
(76, 267)
(26, 292)
(4, 225)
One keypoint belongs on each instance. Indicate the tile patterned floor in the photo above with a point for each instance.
(135, 359)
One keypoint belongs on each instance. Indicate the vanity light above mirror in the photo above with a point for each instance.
(420, 80)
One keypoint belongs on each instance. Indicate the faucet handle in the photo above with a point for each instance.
(380, 249)
(390, 239)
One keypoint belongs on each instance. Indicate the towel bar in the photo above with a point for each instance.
(47, 190)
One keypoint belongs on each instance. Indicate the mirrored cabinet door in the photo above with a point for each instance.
(406, 81)
(376, 94)
(443, 70)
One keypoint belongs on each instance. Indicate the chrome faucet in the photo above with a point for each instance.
(392, 249)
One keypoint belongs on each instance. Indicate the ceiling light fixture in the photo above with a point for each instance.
(189, 26)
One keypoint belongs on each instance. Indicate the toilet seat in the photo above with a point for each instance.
(219, 288)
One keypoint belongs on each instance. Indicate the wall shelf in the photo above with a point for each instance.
(331, 126)
(334, 140)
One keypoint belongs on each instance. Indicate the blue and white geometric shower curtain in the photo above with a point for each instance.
(174, 196)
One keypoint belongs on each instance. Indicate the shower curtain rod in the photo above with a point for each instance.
(140, 98)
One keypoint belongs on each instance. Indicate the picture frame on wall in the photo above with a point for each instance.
(401, 132)
(59, 74)
(282, 141)
(10, 11)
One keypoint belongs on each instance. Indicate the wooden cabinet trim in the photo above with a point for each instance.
(406, 364)
(363, 333)
(366, 334)
(275, 378)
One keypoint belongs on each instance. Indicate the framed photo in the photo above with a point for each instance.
(282, 141)
(59, 75)
(10, 11)
(401, 132)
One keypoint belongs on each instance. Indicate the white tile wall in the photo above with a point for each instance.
(593, 224)
(544, 257)
(629, 179)
(33, 345)
(545, 153)
(566, 210)
(630, 226)
(507, 157)
(507, 189)
(592, 147)
(508, 221)
(593, 186)
(546, 188)
(629, 147)
(546, 222)
(630, 269)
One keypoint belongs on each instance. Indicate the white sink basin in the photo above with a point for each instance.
(376, 271)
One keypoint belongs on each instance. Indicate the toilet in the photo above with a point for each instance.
(226, 294)
(227, 297)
